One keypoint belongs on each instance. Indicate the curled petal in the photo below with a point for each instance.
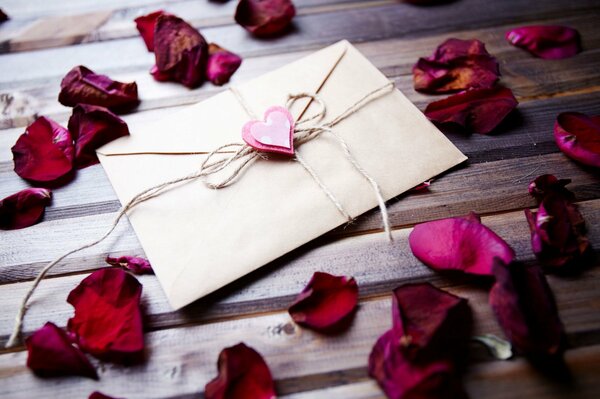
(325, 301)
(23, 209)
(545, 185)
(135, 264)
(264, 17)
(476, 111)
(550, 42)
(44, 153)
(525, 309)
(456, 65)
(100, 395)
(578, 137)
(108, 320)
(92, 127)
(146, 24)
(51, 353)
(221, 64)
(243, 373)
(458, 244)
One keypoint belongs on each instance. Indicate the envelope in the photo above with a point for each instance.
(199, 239)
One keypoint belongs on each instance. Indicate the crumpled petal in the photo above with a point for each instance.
(50, 353)
(454, 66)
(82, 86)
(92, 127)
(135, 264)
(545, 185)
(243, 373)
(549, 42)
(146, 24)
(24, 208)
(181, 51)
(108, 320)
(44, 153)
(578, 137)
(476, 111)
(325, 301)
(100, 395)
(221, 64)
(264, 17)
(458, 244)
(525, 309)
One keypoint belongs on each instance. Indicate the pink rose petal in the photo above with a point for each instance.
(221, 64)
(264, 17)
(578, 137)
(550, 42)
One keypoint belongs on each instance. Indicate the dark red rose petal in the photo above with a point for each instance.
(92, 127)
(3, 16)
(525, 308)
(456, 65)
(50, 353)
(44, 153)
(545, 185)
(23, 209)
(476, 111)
(221, 64)
(83, 86)
(146, 24)
(264, 17)
(100, 395)
(181, 51)
(325, 301)
(134, 264)
(243, 373)
(578, 136)
(550, 42)
(108, 320)
(458, 244)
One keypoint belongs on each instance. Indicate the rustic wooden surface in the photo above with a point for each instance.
(45, 38)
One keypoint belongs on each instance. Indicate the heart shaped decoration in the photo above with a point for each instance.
(275, 134)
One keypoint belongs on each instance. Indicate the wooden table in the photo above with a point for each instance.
(40, 44)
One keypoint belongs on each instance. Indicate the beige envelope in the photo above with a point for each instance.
(199, 239)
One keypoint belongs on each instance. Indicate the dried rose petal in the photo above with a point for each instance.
(545, 185)
(549, 42)
(264, 17)
(181, 51)
(92, 127)
(458, 244)
(3, 16)
(100, 395)
(221, 64)
(524, 306)
(50, 353)
(578, 136)
(134, 264)
(44, 153)
(476, 111)
(325, 301)
(83, 86)
(243, 373)
(146, 24)
(108, 320)
(456, 65)
(23, 209)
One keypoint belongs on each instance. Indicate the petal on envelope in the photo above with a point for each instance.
(51, 353)
(545, 185)
(462, 244)
(146, 24)
(135, 264)
(475, 111)
(578, 137)
(265, 17)
(325, 301)
(550, 42)
(44, 153)
(243, 373)
(221, 64)
(24, 208)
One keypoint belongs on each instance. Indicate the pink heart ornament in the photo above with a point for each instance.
(275, 134)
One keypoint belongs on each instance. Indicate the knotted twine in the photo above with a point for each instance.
(239, 160)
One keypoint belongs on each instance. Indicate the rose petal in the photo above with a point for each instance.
(83, 86)
(23, 209)
(221, 64)
(264, 17)
(134, 264)
(92, 127)
(50, 353)
(545, 185)
(549, 42)
(3, 16)
(146, 24)
(578, 136)
(325, 301)
(524, 306)
(181, 51)
(456, 65)
(476, 111)
(243, 373)
(108, 320)
(100, 395)
(44, 153)
(458, 244)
